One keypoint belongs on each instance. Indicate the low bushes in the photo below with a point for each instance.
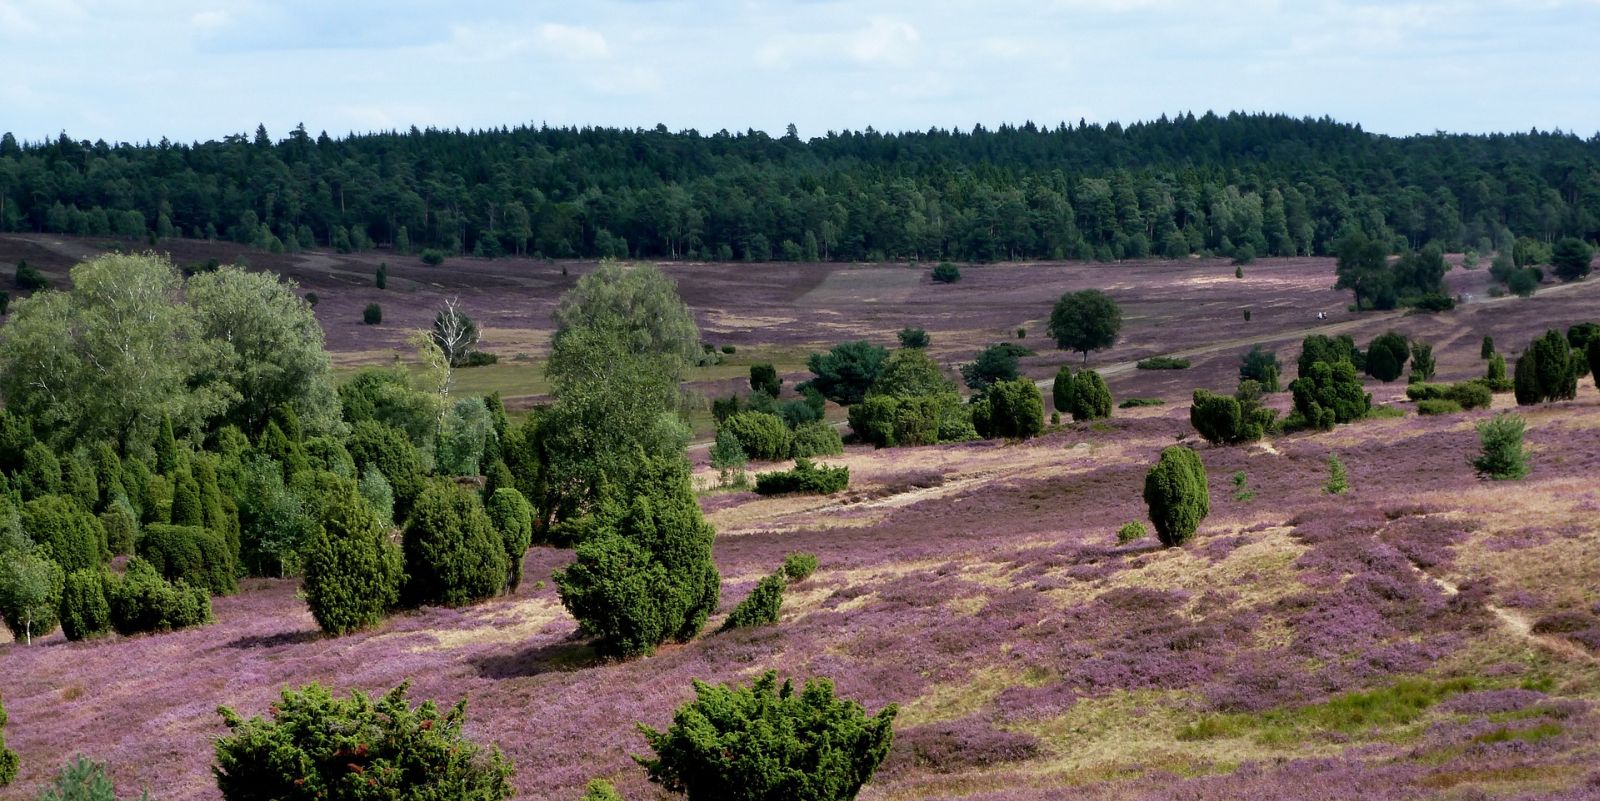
(799, 566)
(1163, 363)
(763, 436)
(816, 438)
(1221, 419)
(769, 743)
(1474, 394)
(1329, 394)
(142, 601)
(191, 554)
(761, 607)
(1437, 406)
(805, 477)
(317, 746)
(1011, 409)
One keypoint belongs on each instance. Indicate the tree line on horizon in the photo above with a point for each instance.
(1235, 185)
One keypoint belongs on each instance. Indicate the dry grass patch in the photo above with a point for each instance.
(505, 625)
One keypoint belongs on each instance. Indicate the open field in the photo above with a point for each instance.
(1383, 645)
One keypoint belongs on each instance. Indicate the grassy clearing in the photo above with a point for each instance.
(1371, 713)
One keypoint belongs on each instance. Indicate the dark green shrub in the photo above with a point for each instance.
(913, 337)
(1010, 409)
(1503, 457)
(1524, 282)
(82, 780)
(816, 438)
(432, 258)
(769, 743)
(191, 554)
(1436, 406)
(41, 472)
(320, 747)
(142, 601)
(946, 273)
(8, 757)
(1525, 381)
(479, 358)
(1486, 349)
(1329, 395)
(847, 371)
(353, 571)
(761, 607)
(1131, 532)
(1091, 398)
(994, 364)
(1556, 367)
(389, 450)
(799, 566)
(730, 349)
(28, 277)
(1163, 363)
(806, 477)
(1137, 403)
(512, 516)
(1387, 356)
(453, 554)
(764, 378)
(1061, 390)
(1320, 348)
(30, 594)
(1084, 321)
(381, 278)
(600, 790)
(1495, 376)
(372, 314)
(1570, 258)
(1177, 494)
(728, 459)
(1422, 363)
(66, 531)
(1221, 419)
(763, 436)
(1473, 394)
(889, 421)
(645, 574)
(121, 526)
(1592, 353)
(85, 612)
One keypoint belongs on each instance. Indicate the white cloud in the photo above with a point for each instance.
(574, 42)
(882, 41)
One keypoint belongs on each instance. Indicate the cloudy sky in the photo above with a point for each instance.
(123, 70)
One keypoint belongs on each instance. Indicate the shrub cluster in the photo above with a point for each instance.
(1473, 394)
(85, 610)
(512, 517)
(1437, 406)
(769, 743)
(1261, 366)
(1177, 494)
(1329, 394)
(1547, 371)
(1387, 356)
(806, 477)
(1221, 419)
(317, 746)
(1091, 398)
(1131, 531)
(142, 601)
(761, 435)
(1010, 409)
(1163, 363)
(191, 554)
(8, 757)
(946, 273)
(353, 572)
(761, 607)
(815, 438)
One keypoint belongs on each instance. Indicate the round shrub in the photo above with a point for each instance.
(763, 436)
(320, 747)
(816, 438)
(1329, 394)
(372, 314)
(190, 554)
(142, 601)
(1130, 532)
(353, 571)
(1177, 494)
(799, 566)
(946, 273)
(85, 612)
(761, 607)
(1091, 398)
(769, 743)
(512, 516)
(1387, 356)
(389, 450)
(764, 378)
(453, 554)
(806, 477)
(1061, 390)
(69, 534)
(1011, 409)
(1434, 406)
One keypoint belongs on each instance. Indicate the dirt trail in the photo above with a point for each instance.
(1516, 623)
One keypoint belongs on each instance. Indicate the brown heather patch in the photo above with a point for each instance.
(960, 699)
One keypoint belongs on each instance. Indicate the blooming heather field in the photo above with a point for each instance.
(1426, 636)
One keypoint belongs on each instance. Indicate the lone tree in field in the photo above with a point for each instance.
(1487, 348)
(1177, 494)
(1085, 321)
(946, 273)
(353, 572)
(769, 743)
(317, 746)
(1503, 456)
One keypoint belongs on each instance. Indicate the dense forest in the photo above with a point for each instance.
(1241, 183)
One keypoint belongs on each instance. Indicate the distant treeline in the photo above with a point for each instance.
(1266, 184)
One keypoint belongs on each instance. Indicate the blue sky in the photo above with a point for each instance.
(193, 70)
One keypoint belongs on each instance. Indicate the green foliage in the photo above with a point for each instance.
(1131, 532)
(634, 308)
(1137, 403)
(1085, 321)
(28, 278)
(847, 371)
(1061, 390)
(1352, 713)
(911, 403)
(432, 257)
(1387, 355)
(453, 555)
(464, 432)
(1319, 348)
(1523, 283)
(946, 273)
(373, 444)
(1241, 488)
(66, 532)
(1221, 419)
(121, 525)
(8, 757)
(816, 438)
(994, 364)
(1547, 371)
(1473, 394)
(799, 566)
(911, 373)
(82, 780)
(806, 477)
(1163, 363)
(1503, 457)
(1592, 354)
(1011, 409)
(1261, 366)
(454, 334)
(1422, 363)
(380, 279)
(512, 516)
(1437, 406)
(1177, 494)
(360, 748)
(728, 458)
(761, 607)
(275, 523)
(1338, 482)
(372, 314)
(353, 572)
(762, 436)
(911, 337)
(85, 613)
(30, 594)
(1570, 258)
(385, 395)
(600, 790)
(1495, 375)
(1329, 395)
(41, 472)
(764, 378)
(1091, 398)
(191, 554)
(645, 574)
(769, 743)
(142, 601)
